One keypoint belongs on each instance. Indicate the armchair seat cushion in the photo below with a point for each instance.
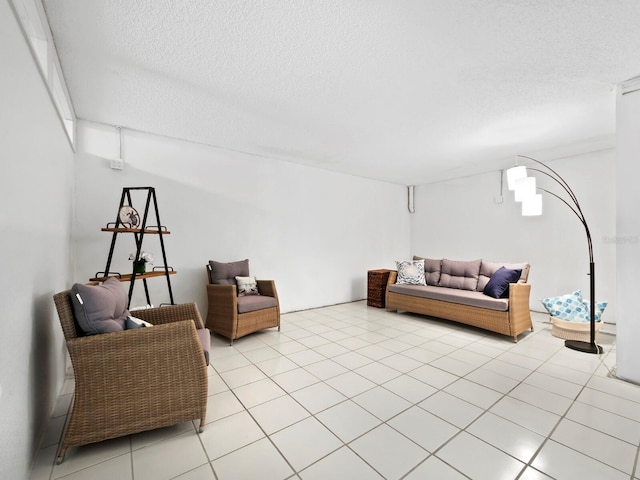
(251, 303)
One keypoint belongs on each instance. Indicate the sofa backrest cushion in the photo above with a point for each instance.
(226, 273)
(432, 269)
(489, 268)
(460, 274)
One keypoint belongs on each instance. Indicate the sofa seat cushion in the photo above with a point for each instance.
(251, 303)
(453, 295)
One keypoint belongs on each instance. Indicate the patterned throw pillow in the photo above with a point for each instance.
(582, 314)
(564, 307)
(410, 272)
(133, 322)
(247, 286)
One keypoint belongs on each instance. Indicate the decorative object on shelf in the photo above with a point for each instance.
(525, 192)
(140, 264)
(127, 215)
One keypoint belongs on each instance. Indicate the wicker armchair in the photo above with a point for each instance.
(134, 380)
(227, 314)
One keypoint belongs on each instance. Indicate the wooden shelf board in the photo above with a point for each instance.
(135, 230)
(126, 277)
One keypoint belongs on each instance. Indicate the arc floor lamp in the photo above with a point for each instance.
(525, 191)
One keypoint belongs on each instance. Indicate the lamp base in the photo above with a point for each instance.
(585, 347)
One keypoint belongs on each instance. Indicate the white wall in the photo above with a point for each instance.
(315, 232)
(35, 222)
(628, 231)
(459, 219)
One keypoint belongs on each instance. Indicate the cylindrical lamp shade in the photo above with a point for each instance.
(514, 174)
(525, 188)
(532, 206)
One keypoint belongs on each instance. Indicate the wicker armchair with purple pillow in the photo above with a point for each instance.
(130, 379)
(239, 304)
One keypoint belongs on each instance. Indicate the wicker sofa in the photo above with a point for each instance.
(454, 291)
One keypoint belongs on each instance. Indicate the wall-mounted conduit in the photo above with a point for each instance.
(410, 199)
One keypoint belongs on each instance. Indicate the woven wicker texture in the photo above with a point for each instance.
(574, 330)
(376, 287)
(223, 317)
(135, 380)
(512, 322)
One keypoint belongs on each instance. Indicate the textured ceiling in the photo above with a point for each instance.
(406, 91)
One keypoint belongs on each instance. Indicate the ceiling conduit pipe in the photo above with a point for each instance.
(410, 199)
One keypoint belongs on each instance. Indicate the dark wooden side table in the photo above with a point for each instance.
(376, 287)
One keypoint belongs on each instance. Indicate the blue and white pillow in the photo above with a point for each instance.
(564, 306)
(134, 322)
(582, 314)
(410, 272)
(572, 307)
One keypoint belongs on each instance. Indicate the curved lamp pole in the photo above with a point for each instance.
(532, 205)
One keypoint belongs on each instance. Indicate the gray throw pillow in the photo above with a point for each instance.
(226, 273)
(100, 308)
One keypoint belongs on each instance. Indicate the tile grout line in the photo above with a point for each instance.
(487, 410)
(563, 417)
(358, 319)
(439, 390)
(268, 437)
(312, 415)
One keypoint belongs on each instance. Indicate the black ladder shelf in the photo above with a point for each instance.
(139, 228)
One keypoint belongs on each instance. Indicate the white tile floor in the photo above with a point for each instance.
(355, 392)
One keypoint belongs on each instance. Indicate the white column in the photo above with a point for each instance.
(628, 232)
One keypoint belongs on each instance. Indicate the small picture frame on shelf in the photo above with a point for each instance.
(129, 216)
